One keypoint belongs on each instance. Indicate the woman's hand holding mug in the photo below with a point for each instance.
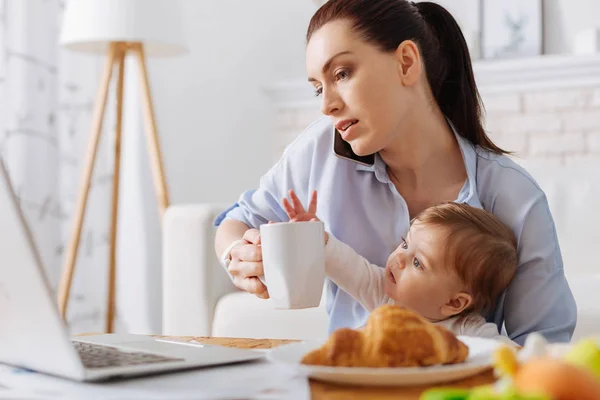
(246, 258)
(246, 265)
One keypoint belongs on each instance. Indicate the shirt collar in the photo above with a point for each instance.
(469, 155)
(378, 167)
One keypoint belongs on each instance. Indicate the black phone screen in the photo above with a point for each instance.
(344, 150)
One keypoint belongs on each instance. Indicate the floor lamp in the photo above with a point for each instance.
(118, 28)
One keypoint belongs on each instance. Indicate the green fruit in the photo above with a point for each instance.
(487, 393)
(586, 354)
(445, 394)
(478, 393)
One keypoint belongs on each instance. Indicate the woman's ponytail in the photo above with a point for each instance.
(450, 73)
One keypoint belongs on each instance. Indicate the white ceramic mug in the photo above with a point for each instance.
(293, 256)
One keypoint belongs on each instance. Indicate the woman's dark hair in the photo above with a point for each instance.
(387, 23)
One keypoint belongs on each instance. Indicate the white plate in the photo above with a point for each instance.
(480, 359)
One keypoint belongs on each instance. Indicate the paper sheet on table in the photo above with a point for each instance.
(259, 380)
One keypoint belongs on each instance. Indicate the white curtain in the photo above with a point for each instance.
(46, 101)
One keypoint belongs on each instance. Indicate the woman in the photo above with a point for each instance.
(397, 88)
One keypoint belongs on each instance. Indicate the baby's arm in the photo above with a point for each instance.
(354, 274)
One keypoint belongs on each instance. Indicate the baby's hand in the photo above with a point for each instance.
(295, 210)
(297, 213)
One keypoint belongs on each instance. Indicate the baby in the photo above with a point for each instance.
(453, 264)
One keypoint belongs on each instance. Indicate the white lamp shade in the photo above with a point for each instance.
(91, 25)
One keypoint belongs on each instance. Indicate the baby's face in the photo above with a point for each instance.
(417, 274)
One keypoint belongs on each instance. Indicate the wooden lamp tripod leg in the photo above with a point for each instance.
(116, 54)
(152, 137)
(112, 268)
(98, 115)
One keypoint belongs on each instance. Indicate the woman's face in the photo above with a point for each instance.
(366, 92)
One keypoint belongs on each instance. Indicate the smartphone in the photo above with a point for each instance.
(342, 149)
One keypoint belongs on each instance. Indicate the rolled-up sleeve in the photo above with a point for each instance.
(255, 207)
(538, 298)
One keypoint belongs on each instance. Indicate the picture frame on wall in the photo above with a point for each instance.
(511, 28)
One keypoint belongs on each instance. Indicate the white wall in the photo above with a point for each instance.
(563, 20)
(215, 121)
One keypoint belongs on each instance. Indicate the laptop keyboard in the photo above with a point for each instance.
(99, 356)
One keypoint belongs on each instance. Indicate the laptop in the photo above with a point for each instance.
(34, 336)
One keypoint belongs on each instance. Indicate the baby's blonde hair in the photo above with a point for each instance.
(481, 249)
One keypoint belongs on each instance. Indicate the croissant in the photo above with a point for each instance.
(394, 336)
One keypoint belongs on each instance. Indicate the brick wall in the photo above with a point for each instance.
(548, 127)
(557, 127)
